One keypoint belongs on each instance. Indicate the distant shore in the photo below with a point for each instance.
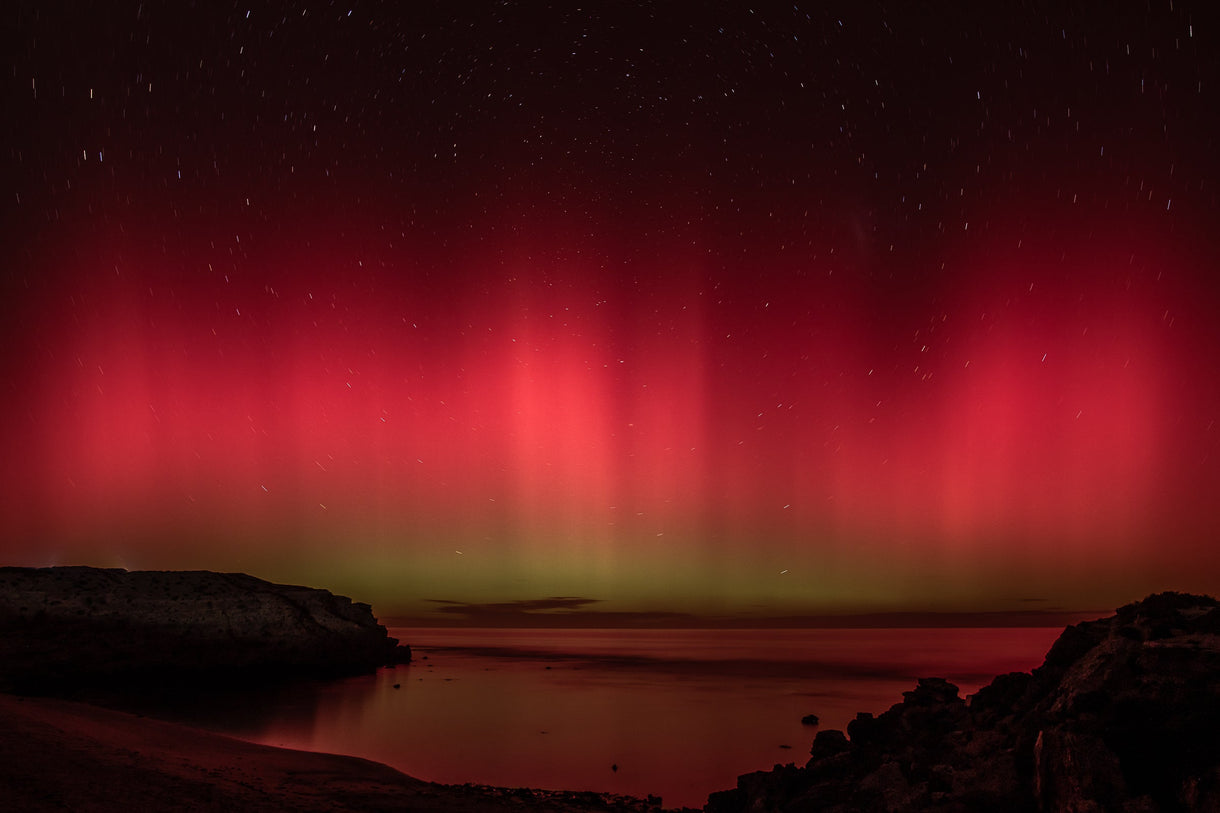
(62, 755)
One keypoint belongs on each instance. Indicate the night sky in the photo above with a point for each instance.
(662, 307)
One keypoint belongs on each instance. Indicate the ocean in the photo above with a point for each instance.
(674, 713)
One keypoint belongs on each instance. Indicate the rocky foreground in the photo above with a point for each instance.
(1124, 715)
(65, 626)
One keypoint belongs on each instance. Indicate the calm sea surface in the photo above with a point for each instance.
(680, 712)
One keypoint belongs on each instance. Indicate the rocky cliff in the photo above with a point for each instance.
(64, 625)
(1123, 715)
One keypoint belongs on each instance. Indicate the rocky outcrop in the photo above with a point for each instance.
(1123, 715)
(62, 626)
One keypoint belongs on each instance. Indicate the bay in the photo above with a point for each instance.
(677, 713)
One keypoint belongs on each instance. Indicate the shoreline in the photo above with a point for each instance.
(1122, 712)
(58, 754)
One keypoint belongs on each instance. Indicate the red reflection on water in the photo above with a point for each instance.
(680, 712)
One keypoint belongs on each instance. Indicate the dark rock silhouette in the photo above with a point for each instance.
(809, 719)
(1124, 714)
(71, 626)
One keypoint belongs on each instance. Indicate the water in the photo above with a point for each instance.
(680, 712)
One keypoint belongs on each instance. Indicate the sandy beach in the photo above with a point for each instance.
(62, 755)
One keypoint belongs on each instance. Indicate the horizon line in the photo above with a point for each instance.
(902, 619)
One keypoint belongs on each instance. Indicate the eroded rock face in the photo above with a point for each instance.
(64, 625)
(1124, 714)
